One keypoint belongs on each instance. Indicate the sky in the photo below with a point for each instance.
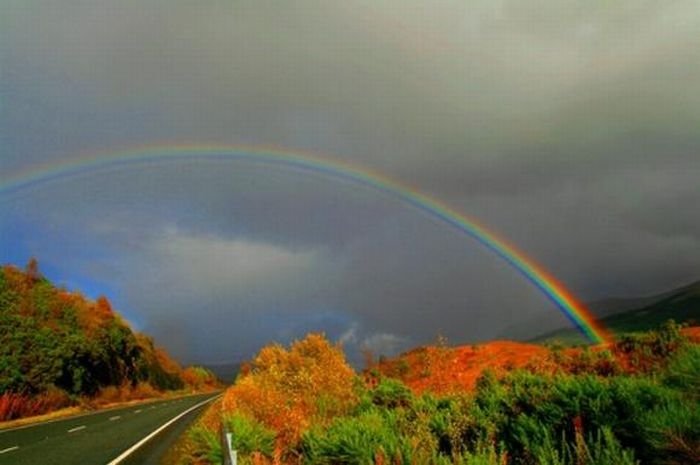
(569, 127)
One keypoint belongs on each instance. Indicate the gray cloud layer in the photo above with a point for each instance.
(570, 127)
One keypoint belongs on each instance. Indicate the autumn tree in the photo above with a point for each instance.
(288, 389)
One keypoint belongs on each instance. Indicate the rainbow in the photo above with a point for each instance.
(579, 316)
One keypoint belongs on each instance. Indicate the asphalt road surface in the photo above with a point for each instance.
(100, 438)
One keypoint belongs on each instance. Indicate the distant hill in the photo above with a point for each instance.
(226, 372)
(640, 314)
(611, 306)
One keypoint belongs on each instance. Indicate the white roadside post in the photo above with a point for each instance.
(232, 454)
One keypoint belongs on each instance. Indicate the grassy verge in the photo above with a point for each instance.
(190, 449)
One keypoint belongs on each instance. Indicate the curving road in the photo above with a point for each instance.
(102, 437)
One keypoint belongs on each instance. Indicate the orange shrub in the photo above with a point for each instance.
(109, 395)
(288, 389)
(198, 378)
(124, 393)
(144, 390)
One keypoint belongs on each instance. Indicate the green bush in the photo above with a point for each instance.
(683, 371)
(356, 441)
(446, 420)
(391, 393)
(673, 433)
(207, 445)
(486, 455)
(523, 409)
(248, 436)
(601, 449)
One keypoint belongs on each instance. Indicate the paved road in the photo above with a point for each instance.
(99, 438)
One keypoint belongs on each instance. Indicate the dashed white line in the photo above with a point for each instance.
(77, 428)
(137, 411)
(116, 417)
(9, 449)
(133, 448)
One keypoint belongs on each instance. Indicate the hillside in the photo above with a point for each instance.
(443, 369)
(57, 346)
(640, 314)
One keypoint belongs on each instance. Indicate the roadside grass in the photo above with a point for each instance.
(196, 446)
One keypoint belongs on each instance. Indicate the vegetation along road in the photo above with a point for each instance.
(105, 437)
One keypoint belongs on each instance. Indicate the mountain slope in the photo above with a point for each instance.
(612, 306)
(631, 315)
(682, 305)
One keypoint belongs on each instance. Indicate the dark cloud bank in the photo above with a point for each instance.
(571, 128)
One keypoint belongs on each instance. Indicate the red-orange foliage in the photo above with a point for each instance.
(167, 362)
(288, 389)
(13, 405)
(199, 378)
(441, 369)
(692, 333)
(103, 308)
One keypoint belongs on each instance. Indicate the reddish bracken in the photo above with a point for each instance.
(442, 370)
(14, 405)
(452, 369)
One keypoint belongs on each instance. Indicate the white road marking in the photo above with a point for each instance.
(116, 417)
(137, 411)
(9, 449)
(56, 420)
(77, 428)
(143, 441)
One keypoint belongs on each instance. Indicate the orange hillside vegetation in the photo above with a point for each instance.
(692, 333)
(443, 369)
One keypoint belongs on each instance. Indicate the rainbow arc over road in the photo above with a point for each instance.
(555, 291)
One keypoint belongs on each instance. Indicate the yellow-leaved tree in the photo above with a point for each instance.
(287, 390)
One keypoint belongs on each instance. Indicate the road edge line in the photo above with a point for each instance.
(88, 413)
(155, 432)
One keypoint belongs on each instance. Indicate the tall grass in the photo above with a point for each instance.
(13, 405)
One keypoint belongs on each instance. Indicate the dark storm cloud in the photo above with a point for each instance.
(570, 127)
